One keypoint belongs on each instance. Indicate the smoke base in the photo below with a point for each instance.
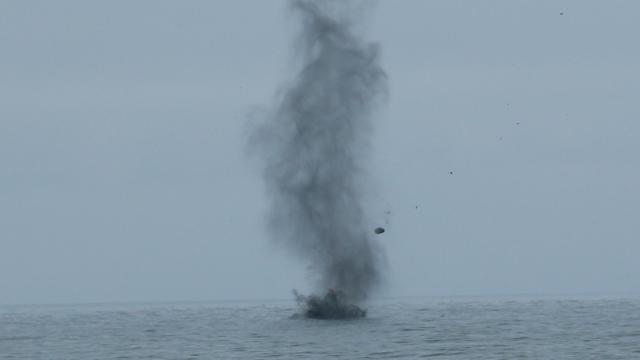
(333, 305)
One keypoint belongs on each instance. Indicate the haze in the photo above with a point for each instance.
(506, 156)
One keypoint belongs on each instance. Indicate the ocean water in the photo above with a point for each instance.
(440, 328)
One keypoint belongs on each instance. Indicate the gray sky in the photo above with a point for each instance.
(123, 175)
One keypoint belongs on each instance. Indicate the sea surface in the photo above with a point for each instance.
(411, 328)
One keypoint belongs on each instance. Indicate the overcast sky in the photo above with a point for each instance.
(507, 153)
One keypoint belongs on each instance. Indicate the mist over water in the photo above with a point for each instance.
(315, 144)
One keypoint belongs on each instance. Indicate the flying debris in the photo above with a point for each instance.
(379, 230)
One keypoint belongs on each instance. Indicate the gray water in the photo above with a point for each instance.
(457, 328)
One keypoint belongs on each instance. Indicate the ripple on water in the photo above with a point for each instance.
(535, 329)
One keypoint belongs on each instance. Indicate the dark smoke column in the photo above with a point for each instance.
(315, 145)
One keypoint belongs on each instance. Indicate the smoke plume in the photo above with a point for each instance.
(315, 144)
